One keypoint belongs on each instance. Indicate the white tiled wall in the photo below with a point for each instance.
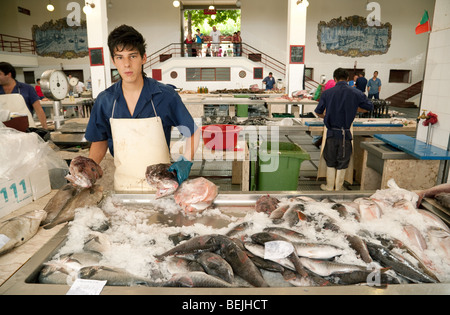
(436, 94)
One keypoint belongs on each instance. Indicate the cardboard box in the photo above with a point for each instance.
(19, 192)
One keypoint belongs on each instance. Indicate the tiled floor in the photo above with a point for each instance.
(220, 172)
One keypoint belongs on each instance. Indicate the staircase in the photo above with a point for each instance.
(399, 99)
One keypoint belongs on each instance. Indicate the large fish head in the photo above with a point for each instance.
(166, 187)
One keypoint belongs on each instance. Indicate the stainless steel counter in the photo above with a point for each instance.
(24, 281)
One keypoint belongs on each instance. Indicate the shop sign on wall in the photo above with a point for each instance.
(353, 37)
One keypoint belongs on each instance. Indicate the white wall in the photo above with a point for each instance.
(407, 50)
(436, 92)
(264, 26)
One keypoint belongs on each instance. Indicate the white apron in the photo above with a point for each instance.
(138, 143)
(322, 169)
(15, 103)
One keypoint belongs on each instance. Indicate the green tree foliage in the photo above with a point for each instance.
(227, 21)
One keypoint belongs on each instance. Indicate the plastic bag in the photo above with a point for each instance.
(21, 152)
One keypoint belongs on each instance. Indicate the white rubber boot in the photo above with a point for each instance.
(331, 174)
(340, 176)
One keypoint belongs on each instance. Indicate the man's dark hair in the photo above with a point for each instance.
(7, 68)
(340, 74)
(126, 37)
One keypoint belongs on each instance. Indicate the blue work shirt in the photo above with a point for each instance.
(340, 105)
(270, 82)
(27, 91)
(168, 105)
(361, 84)
(373, 85)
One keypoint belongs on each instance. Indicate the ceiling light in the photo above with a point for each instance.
(238, 3)
(176, 3)
(211, 7)
(50, 7)
(87, 9)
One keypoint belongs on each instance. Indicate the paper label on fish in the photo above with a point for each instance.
(3, 240)
(86, 287)
(277, 250)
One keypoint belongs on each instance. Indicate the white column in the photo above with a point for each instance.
(296, 35)
(97, 30)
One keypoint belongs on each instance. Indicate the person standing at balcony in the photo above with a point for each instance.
(199, 42)
(9, 85)
(237, 44)
(215, 41)
(374, 86)
(189, 41)
(269, 81)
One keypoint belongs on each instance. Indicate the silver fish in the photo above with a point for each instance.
(16, 231)
(59, 201)
(113, 276)
(182, 265)
(258, 250)
(87, 197)
(60, 271)
(215, 265)
(86, 258)
(200, 243)
(97, 242)
(326, 268)
(398, 263)
(317, 251)
(196, 279)
(290, 235)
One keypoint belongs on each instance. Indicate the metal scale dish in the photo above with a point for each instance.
(24, 281)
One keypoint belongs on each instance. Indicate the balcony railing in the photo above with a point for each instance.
(17, 44)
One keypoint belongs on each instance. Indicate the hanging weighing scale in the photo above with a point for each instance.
(55, 86)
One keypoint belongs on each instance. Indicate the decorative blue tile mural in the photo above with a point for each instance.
(352, 37)
(59, 40)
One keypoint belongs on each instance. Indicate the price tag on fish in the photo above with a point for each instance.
(86, 287)
(277, 249)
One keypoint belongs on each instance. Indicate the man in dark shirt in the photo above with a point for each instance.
(361, 82)
(338, 106)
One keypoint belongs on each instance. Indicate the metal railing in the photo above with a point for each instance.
(180, 50)
(17, 44)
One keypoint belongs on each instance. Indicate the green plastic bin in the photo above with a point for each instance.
(242, 110)
(278, 170)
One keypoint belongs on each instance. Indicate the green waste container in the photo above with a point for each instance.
(242, 110)
(278, 170)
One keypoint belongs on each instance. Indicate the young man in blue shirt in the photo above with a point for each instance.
(338, 106)
(129, 104)
(9, 85)
(374, 86)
